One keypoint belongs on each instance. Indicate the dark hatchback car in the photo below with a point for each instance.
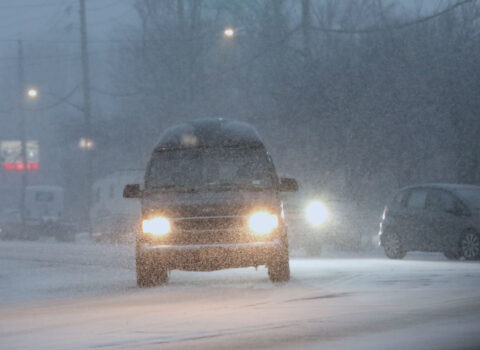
(433, 218)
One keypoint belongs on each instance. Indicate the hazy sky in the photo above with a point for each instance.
(51, 27)
(42, 19)
(59, 19)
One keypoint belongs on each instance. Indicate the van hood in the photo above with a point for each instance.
(225, 203)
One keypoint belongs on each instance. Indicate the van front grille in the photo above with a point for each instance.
(210, 230)
(209, 223)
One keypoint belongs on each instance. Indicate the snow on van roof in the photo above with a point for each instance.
(445, 186)
(122, 176)
(210, 133)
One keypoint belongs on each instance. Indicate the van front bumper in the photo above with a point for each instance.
(209, 257)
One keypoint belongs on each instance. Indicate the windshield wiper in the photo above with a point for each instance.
(175, 188)
(234, 186)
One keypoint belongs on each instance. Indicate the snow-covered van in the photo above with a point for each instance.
(210, 200)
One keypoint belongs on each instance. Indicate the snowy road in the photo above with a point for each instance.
(78, 296)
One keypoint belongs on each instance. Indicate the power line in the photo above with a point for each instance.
(65, 41)
(60, 100)
(67, 56)
(115, 94)
(87, 107)
(63, 99)
(36, 4)
(372, 30)
(23, 6)
(58, 15)
(113, 3)
(73, 42)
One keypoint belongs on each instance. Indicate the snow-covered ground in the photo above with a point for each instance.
(79, 296)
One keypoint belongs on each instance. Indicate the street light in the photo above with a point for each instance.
(229, 32)
(86, 144)
(32, 93)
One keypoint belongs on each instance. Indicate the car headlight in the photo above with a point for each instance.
(262, 223)
(156, 226)
(316, 213)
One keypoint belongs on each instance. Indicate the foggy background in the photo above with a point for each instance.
(353, 98)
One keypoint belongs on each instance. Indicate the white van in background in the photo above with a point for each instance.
(44, 204)
(44, 216)
(114, 218)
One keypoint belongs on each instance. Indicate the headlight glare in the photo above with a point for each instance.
(316, 213)
(262, 223)
(156, 226)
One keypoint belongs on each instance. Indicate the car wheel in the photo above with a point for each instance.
(470, 246)
(393, 246)
(451, 255)
(279, 268)
(149, 272)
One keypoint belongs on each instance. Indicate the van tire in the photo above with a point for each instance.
(279, 268)
(149, 272)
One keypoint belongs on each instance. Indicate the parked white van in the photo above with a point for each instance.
(113, 217)
(44, 216)
(44, 204)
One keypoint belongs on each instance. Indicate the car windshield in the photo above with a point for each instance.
(471, 196)
(209, 169)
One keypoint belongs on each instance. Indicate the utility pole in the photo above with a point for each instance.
(306, 24)
(86, 108)
(23, 136)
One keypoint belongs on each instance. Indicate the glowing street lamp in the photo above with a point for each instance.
(86, 144)
(229, 32)
(32, 93)
(23, 166)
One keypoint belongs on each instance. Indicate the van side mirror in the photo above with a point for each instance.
(132, 191)
(288, 185)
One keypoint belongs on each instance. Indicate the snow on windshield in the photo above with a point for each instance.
(196, 168)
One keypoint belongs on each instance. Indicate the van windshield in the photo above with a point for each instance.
(210, 169)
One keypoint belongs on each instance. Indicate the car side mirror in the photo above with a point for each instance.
(132, 191)
(288, 185)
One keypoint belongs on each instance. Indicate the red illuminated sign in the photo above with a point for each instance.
(11, 155)
(20, 166)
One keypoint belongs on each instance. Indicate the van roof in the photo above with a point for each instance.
(444, 186)
(207, 133)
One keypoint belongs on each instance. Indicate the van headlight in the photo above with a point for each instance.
(316, 213)
(262, 223)
(156, 226)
